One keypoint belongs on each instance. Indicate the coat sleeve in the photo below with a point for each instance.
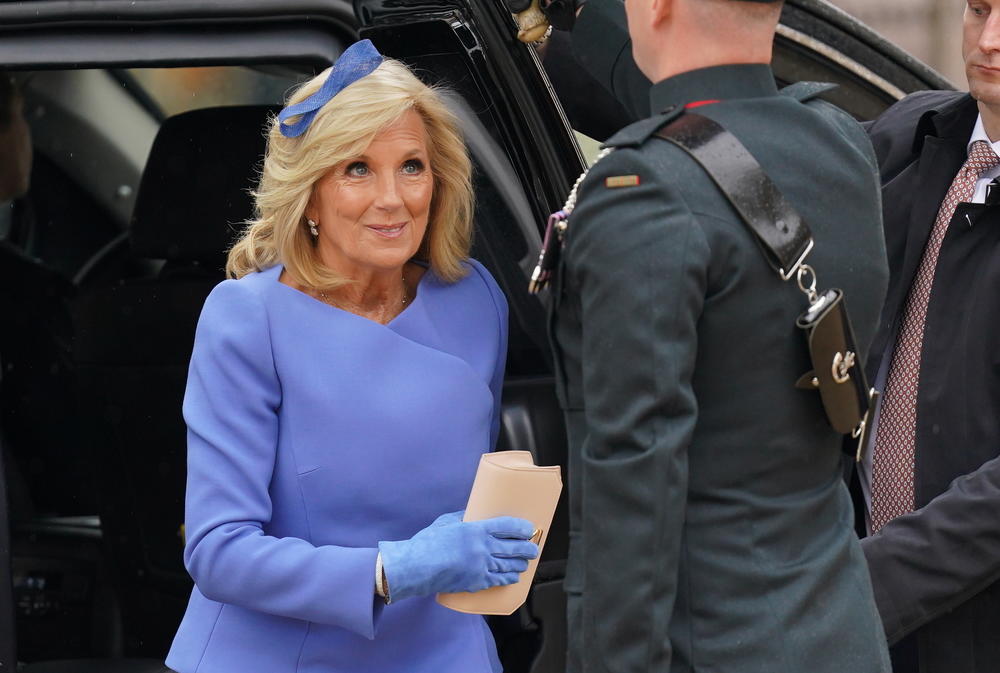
(932, 560)
(638, 260)
(602, 45)
(496, 382)
(230, 407)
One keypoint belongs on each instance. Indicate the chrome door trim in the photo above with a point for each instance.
(840, 59)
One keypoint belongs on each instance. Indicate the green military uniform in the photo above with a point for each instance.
(711, 529)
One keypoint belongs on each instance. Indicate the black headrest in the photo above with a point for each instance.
(194, 195)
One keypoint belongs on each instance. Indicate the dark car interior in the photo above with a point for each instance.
(123, 233)
(133, 341)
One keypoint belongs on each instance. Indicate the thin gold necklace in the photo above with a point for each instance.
(328, 300)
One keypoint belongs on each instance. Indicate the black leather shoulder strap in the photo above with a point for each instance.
(783, 235)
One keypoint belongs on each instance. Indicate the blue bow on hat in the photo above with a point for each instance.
(358, 60)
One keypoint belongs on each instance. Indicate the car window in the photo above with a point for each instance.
(92, 131)
(176, 90)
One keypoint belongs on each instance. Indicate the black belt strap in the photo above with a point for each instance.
(783, 235)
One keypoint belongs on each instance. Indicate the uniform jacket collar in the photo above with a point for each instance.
(744, 80)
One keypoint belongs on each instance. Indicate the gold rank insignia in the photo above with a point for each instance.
(622, 181)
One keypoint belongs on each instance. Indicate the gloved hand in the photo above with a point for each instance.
(451, 555)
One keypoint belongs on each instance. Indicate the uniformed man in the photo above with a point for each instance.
(711, 528)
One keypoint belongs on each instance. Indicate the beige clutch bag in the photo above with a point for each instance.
(509, 483)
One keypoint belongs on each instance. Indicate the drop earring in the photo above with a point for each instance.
(312, 227)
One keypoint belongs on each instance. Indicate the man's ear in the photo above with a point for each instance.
(660, 10)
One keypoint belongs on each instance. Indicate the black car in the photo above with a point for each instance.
(147, 120)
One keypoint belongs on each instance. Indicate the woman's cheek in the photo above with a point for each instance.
(423, 191)
(352, 198)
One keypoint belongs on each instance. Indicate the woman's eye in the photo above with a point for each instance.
(413, 167)
(357, 170)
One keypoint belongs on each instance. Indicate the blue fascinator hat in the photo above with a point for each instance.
(357, 61)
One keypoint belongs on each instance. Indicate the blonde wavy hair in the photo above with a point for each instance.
(343, 129)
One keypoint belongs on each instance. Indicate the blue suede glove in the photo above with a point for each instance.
(451, 555)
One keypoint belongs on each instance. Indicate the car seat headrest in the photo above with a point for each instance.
(194, 196)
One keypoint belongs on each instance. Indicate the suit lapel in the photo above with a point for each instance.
(939, 162)
(941, 154)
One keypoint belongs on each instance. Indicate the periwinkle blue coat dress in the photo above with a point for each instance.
(313, 434)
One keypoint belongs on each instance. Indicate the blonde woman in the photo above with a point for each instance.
(343, 386)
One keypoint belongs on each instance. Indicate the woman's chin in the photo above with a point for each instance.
(394, 259)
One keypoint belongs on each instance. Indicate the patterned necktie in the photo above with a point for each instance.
(895, 439)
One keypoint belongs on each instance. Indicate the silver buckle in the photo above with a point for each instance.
(787, 275)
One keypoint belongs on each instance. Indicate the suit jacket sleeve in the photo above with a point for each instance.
(230, 407)
(638, 261)
(602, 45)
(930, 561)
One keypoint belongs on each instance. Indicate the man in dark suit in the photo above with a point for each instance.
(932, 484)
(711, 528)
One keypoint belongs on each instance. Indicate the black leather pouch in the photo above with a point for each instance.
(837, 368)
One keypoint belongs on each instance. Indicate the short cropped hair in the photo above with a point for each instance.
(342, 129)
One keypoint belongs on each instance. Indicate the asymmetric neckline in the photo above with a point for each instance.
(419, 287)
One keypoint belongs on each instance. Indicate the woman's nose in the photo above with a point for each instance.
(388, 197)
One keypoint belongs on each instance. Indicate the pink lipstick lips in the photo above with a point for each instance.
(388, 230)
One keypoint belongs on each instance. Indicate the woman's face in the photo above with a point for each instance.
(372, 210)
